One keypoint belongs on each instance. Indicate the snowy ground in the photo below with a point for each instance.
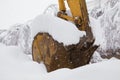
(15, 65)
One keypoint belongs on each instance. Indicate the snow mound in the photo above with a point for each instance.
(110, 21)
(17, 35)
(105, 22)
(14, 65)
(96, 58)
(61, 30)
(107, 70)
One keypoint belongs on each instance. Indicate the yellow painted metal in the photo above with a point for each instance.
(78, 10)
(61, 5)
(84, 13)
(36, 51)
(69, 18)
(74, 6)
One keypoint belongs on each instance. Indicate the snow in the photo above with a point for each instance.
(105, 21)
(92, 4)
(107, 70)
(63, 31)
(96, 58)
(98, 32)
(14, 65)
(110, 23)
(17, 35)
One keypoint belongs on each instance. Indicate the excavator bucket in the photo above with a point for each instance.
(55, 55)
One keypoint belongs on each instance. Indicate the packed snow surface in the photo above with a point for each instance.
(61, 30)
(15, 65)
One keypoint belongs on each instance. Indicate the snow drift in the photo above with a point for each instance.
(61, 30)
(17, 35)
(107, 15)
(14, 65)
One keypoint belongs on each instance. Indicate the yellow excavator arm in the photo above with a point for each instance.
(78, 10)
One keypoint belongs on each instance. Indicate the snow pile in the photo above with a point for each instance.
(2, 34)
(92, 4)
(17, 35)
(14, 65)
(106, 17)
(61, 30)
(1, 31)
(98, 32)
(110, 21)
(96, 58)
(108, 70)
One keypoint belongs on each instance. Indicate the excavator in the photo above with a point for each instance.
(54, 54)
